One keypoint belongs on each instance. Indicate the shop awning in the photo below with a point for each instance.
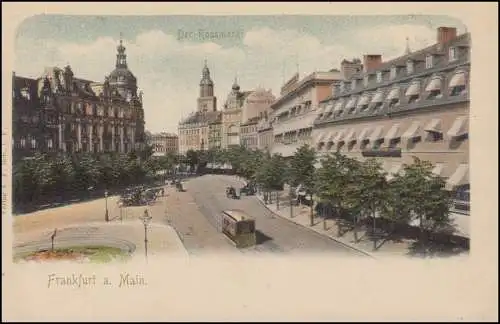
(365, 100)
(378, 97)
(457, 80)
(320, 137)
(377, 134)
(412, 131)
(393, 94)
(413, 89)
(393, 132)
(459, 177)
(328, 108)
(434, 84)
(363, 135)
(351, 103)
(330, 137)
(339, 136)
(338, 106)
(459, 127)
(434, 126)
(351, 136)
(438, 169)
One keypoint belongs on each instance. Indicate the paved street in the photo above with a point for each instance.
(191, 214)
(274, 234)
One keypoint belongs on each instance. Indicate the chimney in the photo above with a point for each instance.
(335, 89)
(349, 68)
(371, 62)
(446, 34)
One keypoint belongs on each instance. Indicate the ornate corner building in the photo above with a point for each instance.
(58, 113)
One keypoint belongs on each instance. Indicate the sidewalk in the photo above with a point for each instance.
(302, 216)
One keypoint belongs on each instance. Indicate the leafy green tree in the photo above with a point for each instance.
(271, 175)
(301, 171)
(422, 195)
(43, 173)
(371, 193)
(251, 161)
(333, 183)
(88, 172)
(24, 181)
(192, 158)
(65, 174)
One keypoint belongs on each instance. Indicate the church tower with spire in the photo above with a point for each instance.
(206, 101)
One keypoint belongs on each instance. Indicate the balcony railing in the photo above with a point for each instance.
(382, 152)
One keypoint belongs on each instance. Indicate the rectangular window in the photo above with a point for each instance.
(434, 94)
(458, 90)
(393, 143)
(435, 136)
(377, 144)
(429, 61)
(412, 99)
(394, 102)
(409, 67)
(394, 72)
(453, 54)
(25, 93)
(377, 106)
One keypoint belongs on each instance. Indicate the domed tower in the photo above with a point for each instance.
(207, 101)
(121, 78)
(235, 87)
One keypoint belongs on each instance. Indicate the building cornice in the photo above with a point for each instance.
(307, 82)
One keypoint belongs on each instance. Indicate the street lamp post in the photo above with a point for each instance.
(312, 209)
(106, 214)
(120, 205)
(146, 219)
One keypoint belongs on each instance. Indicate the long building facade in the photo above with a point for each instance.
(414, 105)
(164, 143)
(294, 112)
(58, 113)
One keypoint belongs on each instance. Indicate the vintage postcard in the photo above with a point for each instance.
(139, 145)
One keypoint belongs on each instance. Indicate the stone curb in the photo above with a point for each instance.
(348, 245)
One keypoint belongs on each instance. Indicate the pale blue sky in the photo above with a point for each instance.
(168, 69)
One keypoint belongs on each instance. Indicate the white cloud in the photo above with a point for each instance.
(390, 41)
(169, 70)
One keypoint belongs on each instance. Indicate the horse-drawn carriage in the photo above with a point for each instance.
(139, 196)
(231, 193)
(249, 189)
(179, 186)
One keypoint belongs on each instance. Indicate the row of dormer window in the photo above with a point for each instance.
(434, 90)
(410, 68)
